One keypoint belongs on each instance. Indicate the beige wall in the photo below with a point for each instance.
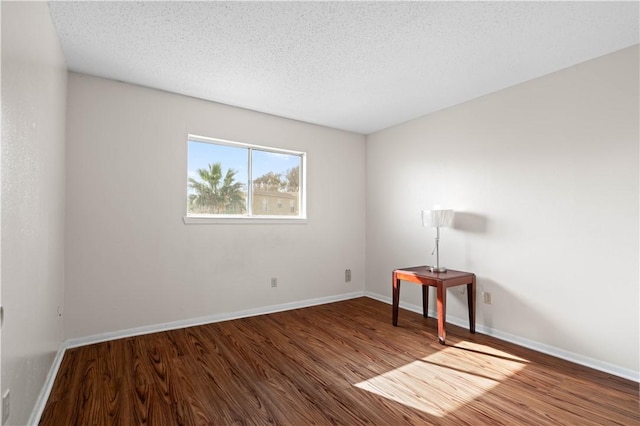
(130, 259)
(34, 78)
(544, 176)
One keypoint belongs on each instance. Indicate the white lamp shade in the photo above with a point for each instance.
(437, 218)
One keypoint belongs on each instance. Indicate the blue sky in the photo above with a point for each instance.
(201, 154)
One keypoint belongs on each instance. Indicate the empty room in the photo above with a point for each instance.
(342, 212)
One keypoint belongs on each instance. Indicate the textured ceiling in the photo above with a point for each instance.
(359, 66)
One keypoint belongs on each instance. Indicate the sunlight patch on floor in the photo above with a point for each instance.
(444, 381)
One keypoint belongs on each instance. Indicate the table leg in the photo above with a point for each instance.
(442, 312)
(396, 299)
(425, 301)
(471, 301)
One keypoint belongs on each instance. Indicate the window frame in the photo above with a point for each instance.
(250, 216)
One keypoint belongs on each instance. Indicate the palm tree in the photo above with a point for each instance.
(215, 197)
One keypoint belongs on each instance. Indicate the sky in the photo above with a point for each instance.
(201, 154)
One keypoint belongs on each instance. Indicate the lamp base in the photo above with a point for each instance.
(436, 269)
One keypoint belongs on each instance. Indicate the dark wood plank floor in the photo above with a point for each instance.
(340, 363)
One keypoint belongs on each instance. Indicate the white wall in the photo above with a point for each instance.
(544, 176)
(34, 79)
(130, 259)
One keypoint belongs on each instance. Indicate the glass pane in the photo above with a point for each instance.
(276, 183)
(217, 176)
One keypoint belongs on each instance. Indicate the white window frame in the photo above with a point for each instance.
(251, 217)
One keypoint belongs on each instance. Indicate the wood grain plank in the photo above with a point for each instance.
(341, 364)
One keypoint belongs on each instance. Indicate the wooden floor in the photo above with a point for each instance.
(340, 363)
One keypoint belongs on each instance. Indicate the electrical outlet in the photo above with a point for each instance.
(463, 290)
(5, 406)
(274, 282)
(487, 297)
(347, 275)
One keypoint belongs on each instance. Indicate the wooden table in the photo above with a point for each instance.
(441, 281)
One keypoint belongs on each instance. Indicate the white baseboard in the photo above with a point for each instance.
(527, 343)
(34, 419)
(209, 319)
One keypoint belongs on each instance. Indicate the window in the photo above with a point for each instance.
(228, 180)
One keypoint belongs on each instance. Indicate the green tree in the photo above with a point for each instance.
(269, 182)
(275, 182)
(215, 194)
(292, 183)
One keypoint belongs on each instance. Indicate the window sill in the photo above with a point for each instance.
(230, 220)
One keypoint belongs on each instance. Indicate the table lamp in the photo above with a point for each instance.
(437, 219)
